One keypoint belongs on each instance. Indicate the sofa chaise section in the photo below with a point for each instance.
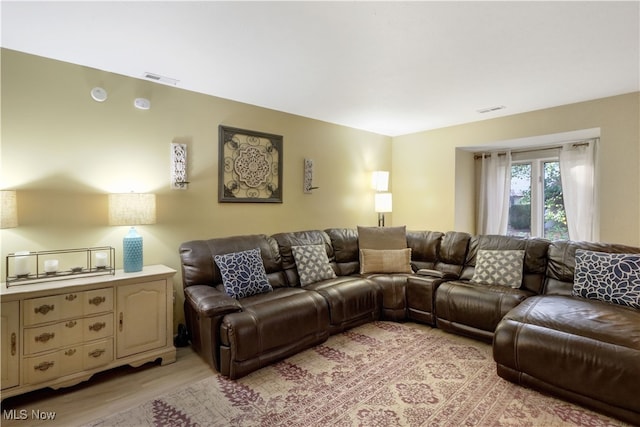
(582, 350)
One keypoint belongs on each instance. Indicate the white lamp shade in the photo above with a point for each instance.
(8, 209)
(383, 202)
(132, 209)
(380, 180)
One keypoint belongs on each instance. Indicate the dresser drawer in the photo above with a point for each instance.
(70, 360)
(97, 327)
(98, 301)
(43, 338)
(67, 306)
(98, 353)
(42, 310)
(38, 369)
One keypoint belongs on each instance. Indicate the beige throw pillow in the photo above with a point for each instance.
(385, 261)
(382, 237)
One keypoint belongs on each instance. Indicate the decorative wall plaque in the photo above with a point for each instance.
(178, 166)
(250, 166)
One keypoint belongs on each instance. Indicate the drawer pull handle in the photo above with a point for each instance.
(97, 352)
(97, 301)
(13, 344)
(43, 366)
(44, 337)
(44, 309)
(71, 297)
(121, 321)
(71, 324)
(97, 326)
(70, 352)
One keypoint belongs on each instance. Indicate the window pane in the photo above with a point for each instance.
(520, 201)
(555, 219)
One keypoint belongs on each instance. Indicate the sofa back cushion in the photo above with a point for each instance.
(199, 268)
(425, 246)
(453, 252)
(535, 257)
(345, 249)
(561, 265)
(299, 238)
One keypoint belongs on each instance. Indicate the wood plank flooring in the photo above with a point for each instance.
(106, 393)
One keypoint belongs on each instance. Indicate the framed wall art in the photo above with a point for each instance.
(250, 166)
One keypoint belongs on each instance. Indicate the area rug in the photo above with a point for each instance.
(379, 374)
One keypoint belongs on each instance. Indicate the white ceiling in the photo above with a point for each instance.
(388, 67)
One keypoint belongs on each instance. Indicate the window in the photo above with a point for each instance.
(536, 204)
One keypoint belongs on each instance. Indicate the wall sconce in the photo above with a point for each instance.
(383, 204)
(380, 180)
(132, 209)
(9, 209)
(178, 166)
(308, 176)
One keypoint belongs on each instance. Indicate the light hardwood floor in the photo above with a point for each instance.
(107, 392)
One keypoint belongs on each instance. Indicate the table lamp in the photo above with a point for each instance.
(132, 209)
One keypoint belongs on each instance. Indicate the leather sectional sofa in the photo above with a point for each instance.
(580, 349)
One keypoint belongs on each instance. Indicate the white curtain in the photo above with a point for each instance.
(495, 187)
(577, 172)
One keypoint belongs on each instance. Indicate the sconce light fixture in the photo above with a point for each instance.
(132, 209)
(308, 176)
(380, 180)
(383, 204)
(179, 166)
(9, 209)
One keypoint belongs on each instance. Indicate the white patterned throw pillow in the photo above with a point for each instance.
(499, 267)
(243, 273)
(613, 278)
(312, 264)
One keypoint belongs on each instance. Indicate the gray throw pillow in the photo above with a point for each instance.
(312, 264)
(382, 237)
(499, 267)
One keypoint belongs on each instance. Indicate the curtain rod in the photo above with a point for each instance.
(533, 150)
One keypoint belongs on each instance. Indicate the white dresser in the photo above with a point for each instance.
(59, 333)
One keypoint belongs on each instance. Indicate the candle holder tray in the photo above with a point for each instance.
(72, 263)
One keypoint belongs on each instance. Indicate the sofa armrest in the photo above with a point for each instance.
(210, 302)
(436, 273)
(204, 308)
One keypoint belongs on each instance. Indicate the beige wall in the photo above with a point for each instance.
(433, 182)
(64, 153)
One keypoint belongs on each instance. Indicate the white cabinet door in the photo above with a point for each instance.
(10, 346)
(141, 317)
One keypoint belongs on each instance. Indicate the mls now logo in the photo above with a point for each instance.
(24, 414)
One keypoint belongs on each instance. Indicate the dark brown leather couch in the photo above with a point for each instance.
(579, 349)
(582, 350)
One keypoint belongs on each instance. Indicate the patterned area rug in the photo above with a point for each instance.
(380, 374)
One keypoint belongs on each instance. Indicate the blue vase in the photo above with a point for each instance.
(132, 251)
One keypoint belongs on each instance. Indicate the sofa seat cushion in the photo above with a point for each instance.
(584, 350)
(474, 309)
(273, 322)
(352, 300)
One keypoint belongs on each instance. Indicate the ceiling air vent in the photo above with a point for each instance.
(160, 79)
(491, 109)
